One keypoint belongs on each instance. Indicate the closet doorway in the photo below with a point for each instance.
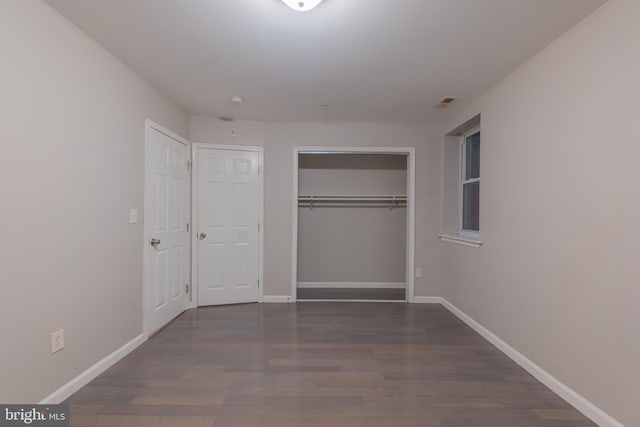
(353, 227)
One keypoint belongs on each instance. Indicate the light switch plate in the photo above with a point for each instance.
(133, 216)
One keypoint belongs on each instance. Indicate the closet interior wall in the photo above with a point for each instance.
(352, 249)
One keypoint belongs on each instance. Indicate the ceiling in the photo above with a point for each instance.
(368, 60)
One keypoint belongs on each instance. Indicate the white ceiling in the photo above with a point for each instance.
(369, 60)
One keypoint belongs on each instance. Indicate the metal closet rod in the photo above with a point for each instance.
(353, 200)
(353, 196)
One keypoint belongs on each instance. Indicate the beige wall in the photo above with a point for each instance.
(352, 245)
(72, 129)
(279, 140)
(343, 244)
(558, 275)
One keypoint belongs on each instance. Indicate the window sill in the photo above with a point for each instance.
(450, 238)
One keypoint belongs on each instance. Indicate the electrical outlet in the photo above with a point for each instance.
(133, 216)
(234, 132)
(418, 272)
(57, 341)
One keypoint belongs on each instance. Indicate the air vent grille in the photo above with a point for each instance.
(445, 102)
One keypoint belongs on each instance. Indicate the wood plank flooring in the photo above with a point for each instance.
(319, 364)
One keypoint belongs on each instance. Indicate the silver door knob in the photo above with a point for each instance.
(154, 243)
(202, 236)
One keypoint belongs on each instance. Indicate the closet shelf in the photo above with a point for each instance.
(385, 201)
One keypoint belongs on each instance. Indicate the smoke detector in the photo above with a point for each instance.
(446, 101)
(237, 100)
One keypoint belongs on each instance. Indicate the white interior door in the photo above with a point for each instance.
(228, 234)
(166, 231)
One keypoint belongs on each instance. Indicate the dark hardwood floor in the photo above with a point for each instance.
(319, 364)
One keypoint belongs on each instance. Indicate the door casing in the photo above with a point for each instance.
(410, 152)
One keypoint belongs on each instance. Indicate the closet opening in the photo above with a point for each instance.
(353, 224)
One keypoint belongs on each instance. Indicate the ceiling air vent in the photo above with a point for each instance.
(445, 102)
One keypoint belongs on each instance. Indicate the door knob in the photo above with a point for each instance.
(154, 243)
(202, 236)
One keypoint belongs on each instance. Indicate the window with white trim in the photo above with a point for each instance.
(461, 185)
(469, 225)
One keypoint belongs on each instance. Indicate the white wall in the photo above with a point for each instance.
(72, 123)
(279, 140)
(352, 244)
(558, 275)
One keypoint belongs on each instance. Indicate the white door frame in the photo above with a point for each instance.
(197, 146)
(410, 152)
(146, 273)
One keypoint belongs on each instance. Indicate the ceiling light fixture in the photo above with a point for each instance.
(302, 5)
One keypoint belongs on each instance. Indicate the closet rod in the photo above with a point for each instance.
(390, 201)
(352, 197)
(390, 206)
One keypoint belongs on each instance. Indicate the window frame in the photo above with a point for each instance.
(462, 232)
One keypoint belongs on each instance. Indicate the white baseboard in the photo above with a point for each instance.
(572, 397)
(276, 299)
(352, 285)
(428, 300)
(99, 367)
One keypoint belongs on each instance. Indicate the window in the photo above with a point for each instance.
(470, 184)
(461, 185)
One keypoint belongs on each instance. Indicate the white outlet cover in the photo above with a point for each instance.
(418, 272)
(133, 216)
(57, 341)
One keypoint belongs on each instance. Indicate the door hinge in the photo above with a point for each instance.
(186, 288)
(258, 282)
(258, 226)
(188, 165)
(258, 169)
(187, 227)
